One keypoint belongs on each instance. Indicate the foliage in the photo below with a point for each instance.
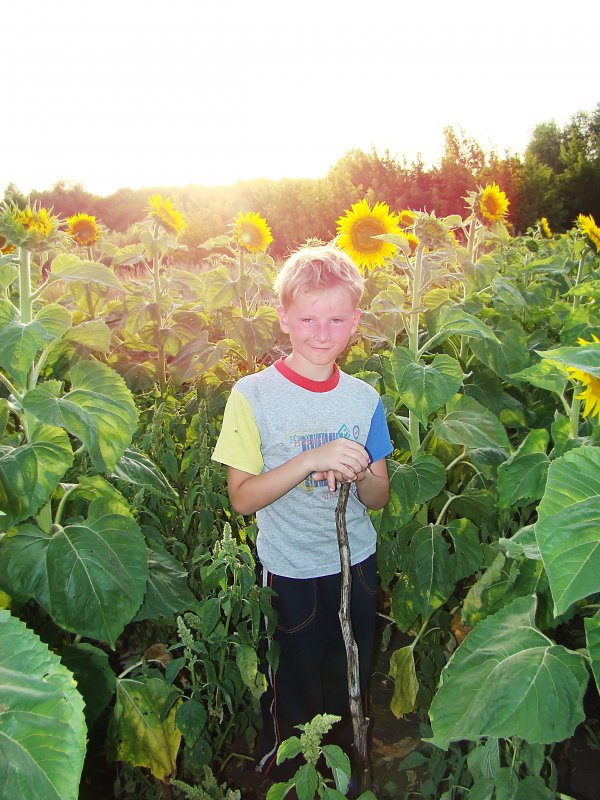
(120, 550)
(308, 781)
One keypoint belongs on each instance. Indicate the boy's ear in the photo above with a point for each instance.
(281, 313)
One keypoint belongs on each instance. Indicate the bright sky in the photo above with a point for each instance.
(145, 93)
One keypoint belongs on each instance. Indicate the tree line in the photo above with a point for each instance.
(557, 177)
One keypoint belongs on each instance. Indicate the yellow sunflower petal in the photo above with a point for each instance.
(252, 232)
(357, 227)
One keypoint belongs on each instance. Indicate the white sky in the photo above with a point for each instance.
(143, 93)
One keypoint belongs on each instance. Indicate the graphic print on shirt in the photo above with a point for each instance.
(308, 441)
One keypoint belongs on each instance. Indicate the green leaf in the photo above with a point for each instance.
(279, 790)
(55, 319)
(411, 485)
(533, 787)
(406, 683)
(89, 576)
(592, 635)
(19, 342)
(167, 593)
(54, 457)
(508, 679)
(567, 529)
(18, 482)
(306, 781)
(470, 424)
(523, 475)
(95, 678)
(467, 548)
(94, 335)
(257, 333)
(139, 737)
(136, 468)
(99, 410)
(432, 574)
(544, 375)
(454, 321)
(509, 354)
(289, 748)
(85, 271)
(424, 388)
(502, 582)
(42, 727)
(190, 718)
(247, 664)
(196, 357)
(585, 358)
(339, 764)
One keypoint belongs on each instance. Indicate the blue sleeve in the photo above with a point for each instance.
(378, 444)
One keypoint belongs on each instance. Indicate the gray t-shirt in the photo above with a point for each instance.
(273, 415)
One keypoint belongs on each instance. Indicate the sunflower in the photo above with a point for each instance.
(161, 209)
(83, 229)
(413, 240)
(357, 228)
(37, 223)
(491, 204)
(5, 247)
(29, 228)
(252, 232)
(588, 226)
(545, 227)
(433, 232)
(407, 218)
(591, 391)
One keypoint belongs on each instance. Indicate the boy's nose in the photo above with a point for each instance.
(323, 333)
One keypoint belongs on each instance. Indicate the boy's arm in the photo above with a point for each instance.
(249, 493)
(373, 485)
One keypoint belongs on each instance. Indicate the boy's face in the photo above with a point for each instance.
(319, 323)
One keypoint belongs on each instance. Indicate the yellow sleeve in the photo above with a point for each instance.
(238, 444)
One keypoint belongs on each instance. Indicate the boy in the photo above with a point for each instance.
(290, 434)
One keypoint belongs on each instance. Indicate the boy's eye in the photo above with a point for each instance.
(307, 319)
(337, 320)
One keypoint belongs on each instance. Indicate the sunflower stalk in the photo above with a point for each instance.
(413, 343)
(162, 369)
(25, 297)
(360, 724)
(577, 298)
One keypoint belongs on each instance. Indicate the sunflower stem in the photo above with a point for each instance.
(574, 416)
(243, 303)
(413, 343)
(162, 369)
(577, 300)
(25, 298)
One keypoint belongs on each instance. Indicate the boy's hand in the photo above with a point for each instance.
(341, 460)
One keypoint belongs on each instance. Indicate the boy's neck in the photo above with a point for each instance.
(314, 372)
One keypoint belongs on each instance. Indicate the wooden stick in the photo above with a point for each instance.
(359, 723)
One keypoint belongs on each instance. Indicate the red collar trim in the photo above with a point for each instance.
(308, 383)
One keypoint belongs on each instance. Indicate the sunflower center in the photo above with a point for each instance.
(361, 233)
(251, 236)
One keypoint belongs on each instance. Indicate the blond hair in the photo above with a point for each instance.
(313, 268)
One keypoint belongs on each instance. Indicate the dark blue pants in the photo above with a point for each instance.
(311, 677)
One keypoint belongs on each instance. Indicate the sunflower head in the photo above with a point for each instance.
(545, 228)
(251, 232)
(357, 227)
(30, 228)
(5, 247)
(432, 232)
(161, 209)
(407, 218)
(84, 229)
(587, 225)
(490, 204)
(412, 240)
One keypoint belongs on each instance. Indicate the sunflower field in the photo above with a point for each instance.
(130, 614)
